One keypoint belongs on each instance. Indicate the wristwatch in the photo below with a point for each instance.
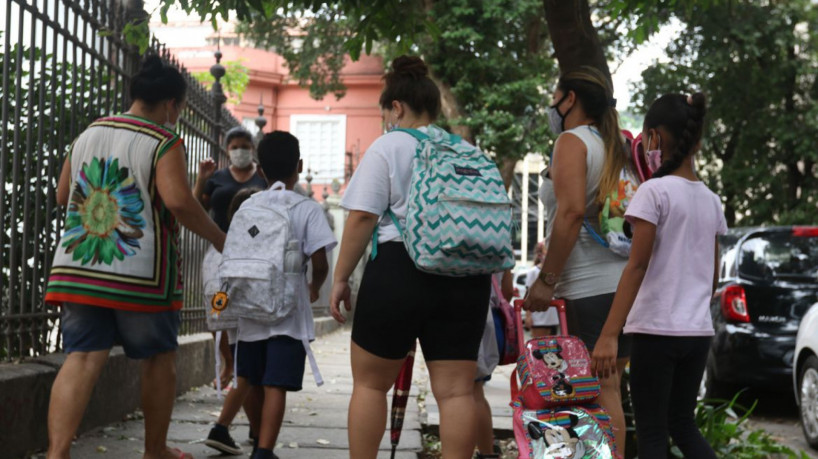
(549, 279)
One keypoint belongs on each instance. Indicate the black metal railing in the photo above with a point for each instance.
(63, 65)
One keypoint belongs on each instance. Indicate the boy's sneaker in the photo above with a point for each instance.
(220, 440)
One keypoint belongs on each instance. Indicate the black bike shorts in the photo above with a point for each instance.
(397, 304)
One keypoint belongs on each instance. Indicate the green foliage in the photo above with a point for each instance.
(137, 33)
(313, 43)
(235, 79)
(488, 54)
(373, 21)
(756, 61)
(723, 425)
(492, 54)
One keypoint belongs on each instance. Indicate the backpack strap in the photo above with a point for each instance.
(375, 233)
(420, 135)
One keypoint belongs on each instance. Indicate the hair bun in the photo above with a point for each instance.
(698, 101)
(152, 66)
(411, 66)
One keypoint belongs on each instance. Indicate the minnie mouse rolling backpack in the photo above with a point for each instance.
(555, 416)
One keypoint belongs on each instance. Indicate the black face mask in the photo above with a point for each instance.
(553, 113)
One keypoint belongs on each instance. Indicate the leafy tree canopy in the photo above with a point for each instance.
(756, 61)
(488, 59)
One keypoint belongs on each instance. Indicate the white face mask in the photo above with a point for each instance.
(168, 124)
(241, 157)
(391, 126)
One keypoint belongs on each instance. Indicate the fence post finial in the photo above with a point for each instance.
(217, 93)
(261, 121)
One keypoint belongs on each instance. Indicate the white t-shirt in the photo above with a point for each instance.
(382, 181)
(312, 229)
(547, 318)
(674, 298)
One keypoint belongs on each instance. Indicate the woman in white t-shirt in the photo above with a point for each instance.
(667, 285)
(588, 158)
(397, 303)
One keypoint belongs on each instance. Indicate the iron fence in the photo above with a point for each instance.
(64, 65)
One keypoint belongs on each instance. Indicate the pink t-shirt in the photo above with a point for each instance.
(674, 298)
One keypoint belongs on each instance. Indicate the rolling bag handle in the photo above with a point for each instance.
(518, 314)
(518, 317)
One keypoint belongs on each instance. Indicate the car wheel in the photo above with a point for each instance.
(711, 388)
(808, 399)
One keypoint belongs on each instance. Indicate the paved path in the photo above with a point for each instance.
(316, 418)
(314, 424)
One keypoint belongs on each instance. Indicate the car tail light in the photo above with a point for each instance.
(734, 304)
(805, 231)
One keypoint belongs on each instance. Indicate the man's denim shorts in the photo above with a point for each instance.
(142, 334)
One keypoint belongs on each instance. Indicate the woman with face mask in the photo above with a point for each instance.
(585, 167)
(215, 189)
(115, 272)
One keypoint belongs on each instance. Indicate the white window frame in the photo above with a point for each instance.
(338, 148)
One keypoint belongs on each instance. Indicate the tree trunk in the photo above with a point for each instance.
(452, 110)
(507, 171)
(574, 37)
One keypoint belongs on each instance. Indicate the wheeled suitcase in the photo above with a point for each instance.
(555, 416)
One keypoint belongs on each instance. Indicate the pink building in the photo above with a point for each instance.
(333, 134)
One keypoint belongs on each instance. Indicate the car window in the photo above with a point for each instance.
(780, 256)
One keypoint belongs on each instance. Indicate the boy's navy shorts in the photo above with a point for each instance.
(142, 335)
(276, 362)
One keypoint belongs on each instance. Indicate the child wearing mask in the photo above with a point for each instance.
(663, 298)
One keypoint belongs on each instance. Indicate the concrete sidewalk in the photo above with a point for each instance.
(314, 424)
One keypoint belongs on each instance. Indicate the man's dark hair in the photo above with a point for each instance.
(278, 155)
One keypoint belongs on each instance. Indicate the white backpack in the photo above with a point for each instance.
(211, 285)
(262, 264)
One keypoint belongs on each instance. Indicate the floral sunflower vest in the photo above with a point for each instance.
(119, 245)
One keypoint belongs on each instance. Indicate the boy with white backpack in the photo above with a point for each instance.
(263, 271)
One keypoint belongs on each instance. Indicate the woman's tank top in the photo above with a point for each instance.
(590, 269)
(120, 245)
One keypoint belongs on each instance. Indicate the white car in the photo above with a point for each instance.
(805, 374)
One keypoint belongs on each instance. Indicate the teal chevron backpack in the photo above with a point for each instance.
(458, 220)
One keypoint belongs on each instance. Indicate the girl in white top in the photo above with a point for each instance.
(667, 285)
(586, 164)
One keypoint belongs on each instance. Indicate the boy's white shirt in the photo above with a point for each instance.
(311, 228)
